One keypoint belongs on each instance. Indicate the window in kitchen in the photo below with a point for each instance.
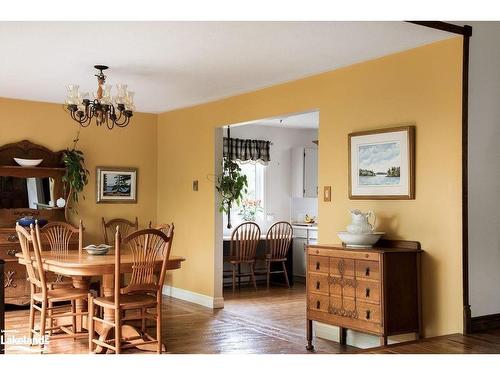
(252, 207)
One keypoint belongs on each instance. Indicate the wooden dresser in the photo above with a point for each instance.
(375, 291)
(16, 286)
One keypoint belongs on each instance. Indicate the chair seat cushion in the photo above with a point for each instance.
(127, 301)
(62, 294)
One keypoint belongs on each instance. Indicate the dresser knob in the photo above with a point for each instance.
(12, 238)
(317, 284)
(317, 265)
(318, 304)
(12, 252)
(367, 292)
(367, 271)
(367, 314)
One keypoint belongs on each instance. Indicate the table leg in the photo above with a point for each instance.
(81, 282)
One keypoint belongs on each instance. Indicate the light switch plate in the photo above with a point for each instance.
(195, 185)
(327, 194)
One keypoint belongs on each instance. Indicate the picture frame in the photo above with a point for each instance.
(116, 185)
(382, 164)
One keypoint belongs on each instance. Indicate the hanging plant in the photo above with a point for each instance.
(231, 185)
(76, 176)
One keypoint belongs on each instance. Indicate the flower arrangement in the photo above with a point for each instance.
(249, 209)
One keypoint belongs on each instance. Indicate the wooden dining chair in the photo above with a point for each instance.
(243, 248)
(278, 240)
(57, 235)
(126, 227)
(165, 228)
(143, 291)
(41, 296)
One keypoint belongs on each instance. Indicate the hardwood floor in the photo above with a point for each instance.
(253, 322)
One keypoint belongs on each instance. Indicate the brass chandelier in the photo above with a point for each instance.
(105, 109)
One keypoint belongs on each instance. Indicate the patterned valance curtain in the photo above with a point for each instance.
(246, 150)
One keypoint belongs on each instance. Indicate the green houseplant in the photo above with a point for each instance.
(76, 176)
(231, 185)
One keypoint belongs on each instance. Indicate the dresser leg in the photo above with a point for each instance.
(383, 340)
(309, 335)
(343, 336)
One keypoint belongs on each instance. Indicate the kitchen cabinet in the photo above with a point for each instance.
(303, 236)
(304, 172)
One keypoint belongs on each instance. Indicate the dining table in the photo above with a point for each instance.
(81, 266)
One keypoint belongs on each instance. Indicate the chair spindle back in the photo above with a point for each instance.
(126, 227)
(278, 239)
(244, 241)
(146, 247)
(59, 234)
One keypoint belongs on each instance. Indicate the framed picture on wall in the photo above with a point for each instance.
(382, 164)
(116, 185)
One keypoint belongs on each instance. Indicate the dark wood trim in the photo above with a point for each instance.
(485, 322)
(465, 180)
(466, 32)
(445, 26)
(2, 306)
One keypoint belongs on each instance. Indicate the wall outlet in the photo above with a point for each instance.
(195, 185)
(327, 194)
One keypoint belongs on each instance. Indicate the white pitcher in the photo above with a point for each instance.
(360, 222)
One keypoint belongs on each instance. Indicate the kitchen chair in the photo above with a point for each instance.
(144, 290)
(278, 240)
(41, 294)
(243, 248)
(126, 227)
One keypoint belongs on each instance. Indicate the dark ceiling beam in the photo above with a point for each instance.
(445, 26)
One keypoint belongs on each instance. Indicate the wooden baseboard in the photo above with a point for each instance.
(485, 322)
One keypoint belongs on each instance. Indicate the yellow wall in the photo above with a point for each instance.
(133, 146)
(420, 86)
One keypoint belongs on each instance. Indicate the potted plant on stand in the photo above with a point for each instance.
(231, 185)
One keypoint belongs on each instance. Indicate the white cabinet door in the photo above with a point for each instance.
(297, 164)
(310, 173)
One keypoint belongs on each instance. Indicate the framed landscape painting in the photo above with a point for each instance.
(382, 164)
(116, 185)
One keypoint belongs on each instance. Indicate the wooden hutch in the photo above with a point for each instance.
(16, 287)
(375, 291)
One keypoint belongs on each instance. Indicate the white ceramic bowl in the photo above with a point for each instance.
(97, 250)
(359, 240)
(28, 162)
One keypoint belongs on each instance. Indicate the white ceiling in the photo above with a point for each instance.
(177, 64)
(308, 120)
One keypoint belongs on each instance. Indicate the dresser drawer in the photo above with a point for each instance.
(317, 283)
(368, 291)
(342, 286)
(368, 312)
(9, 251)
(318, 264)
(8, 237)
(318, 302)
(367, 269)
(15, 280)
(342, 267)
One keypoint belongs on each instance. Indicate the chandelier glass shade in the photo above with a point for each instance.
(104, 108)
